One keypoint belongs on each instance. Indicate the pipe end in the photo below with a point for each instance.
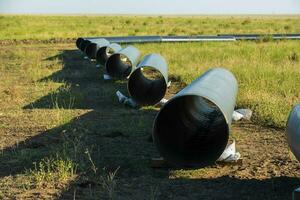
(190, 131)
(147, 86)
(118, 65)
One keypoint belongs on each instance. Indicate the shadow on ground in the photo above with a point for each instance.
(83, 88)
(114, 135)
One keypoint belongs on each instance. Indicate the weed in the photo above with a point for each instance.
(153, 193)
(93, 32)
(52, 170)
(127, 22)
(294, 57)
(246, 21)
(287, 27)
(266, 38)
(109, 183)
(93, 166)
(62, 99)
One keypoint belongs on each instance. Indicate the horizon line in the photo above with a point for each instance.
(141, 15)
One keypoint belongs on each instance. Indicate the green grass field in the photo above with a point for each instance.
(53, 27)
(63, 133)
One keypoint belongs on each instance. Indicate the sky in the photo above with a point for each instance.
(148, 7)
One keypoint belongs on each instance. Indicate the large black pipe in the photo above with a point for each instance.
(147, 84)
(123, 62)
(84, 44)
(192, 128)
(79, 41)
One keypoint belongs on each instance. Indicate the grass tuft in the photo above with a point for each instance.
(52, 170)
(109, 183)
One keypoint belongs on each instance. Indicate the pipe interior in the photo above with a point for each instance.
(191, 131)
(109, 51)
(78, 42)
(118, 65)
(147, 86)
(84, 44)
(91, 50)
(103, 54)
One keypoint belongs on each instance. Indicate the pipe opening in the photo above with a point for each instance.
(78, 42)
(191, 131)
(84, 44)
(103, 54)
(118, 65)
(91, 50)
(147, 86)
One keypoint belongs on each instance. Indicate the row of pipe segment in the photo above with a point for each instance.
(148, 78)
(192, 128)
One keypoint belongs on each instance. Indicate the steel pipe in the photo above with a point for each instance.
(199, 38)
(293, 131)
(119, 39)
(84, 44)
(92, 48)
(79, 41)
(158, 39)
(105, 52)
(147, 84)
(261, 36)
(122, 63)
(192, 128)
(134, 39)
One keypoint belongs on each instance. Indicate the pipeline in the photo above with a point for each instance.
(200, 38)
(293, 131)
(135, 39)
(192, 128)
(156, 39)
(147, 84)
(123, 62)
